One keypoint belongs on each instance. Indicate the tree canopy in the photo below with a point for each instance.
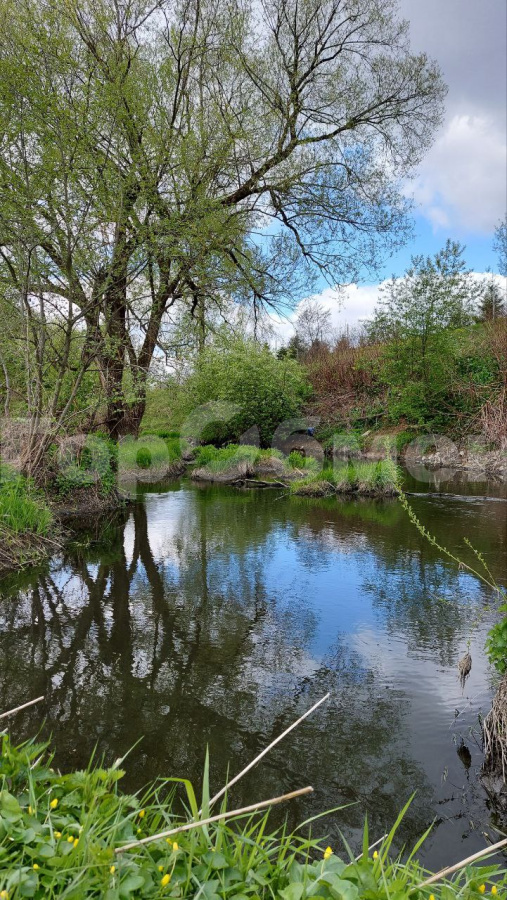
(156, 151)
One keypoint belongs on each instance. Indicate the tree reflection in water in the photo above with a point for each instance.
(207, 617)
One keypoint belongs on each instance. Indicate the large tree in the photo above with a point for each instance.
(163, 151)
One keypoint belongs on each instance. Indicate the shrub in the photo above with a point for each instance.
(93, 465)
(267, 390)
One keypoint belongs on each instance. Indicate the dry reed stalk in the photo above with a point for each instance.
(19, 708)
(209, 821)
(372, 846)
(494, 732)
(460, 865)
(258, 758)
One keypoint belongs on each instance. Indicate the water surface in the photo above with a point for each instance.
(208, 616)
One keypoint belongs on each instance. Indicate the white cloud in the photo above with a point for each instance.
(462, 181)
(350, 306)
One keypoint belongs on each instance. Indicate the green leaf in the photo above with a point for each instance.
(9, 807)
(339, 888)
(293, 892)
(215, 860)
(130, 884)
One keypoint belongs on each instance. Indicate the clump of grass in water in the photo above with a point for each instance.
(60, 832)
(370, 478)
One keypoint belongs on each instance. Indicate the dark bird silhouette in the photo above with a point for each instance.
(464, 668)
(464, 755)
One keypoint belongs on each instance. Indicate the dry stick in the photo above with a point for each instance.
(461, 865)
(225, 815)
(19, 708)
(266, 750)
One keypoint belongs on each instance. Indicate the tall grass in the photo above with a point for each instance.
(221, 459)
(59, 834)
(369, 478)
(23, 509)
(151, 451)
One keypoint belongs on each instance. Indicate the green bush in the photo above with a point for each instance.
(496, 644)
(95, 465)
(266, 389)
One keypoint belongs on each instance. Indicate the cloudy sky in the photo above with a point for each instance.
(461, 187)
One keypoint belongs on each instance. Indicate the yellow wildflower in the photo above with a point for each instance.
(35, 866)
(432, 896)
(160, 868)
(328, 852)
(482, 888)
(165, 880)
(58, 834)
(142, 813)
(54, 803)
(175, 847)
(70, 839)
(4, 895)
(375, 854)
(112, 870)
(494, 890)
(76, 842)
(30, 811)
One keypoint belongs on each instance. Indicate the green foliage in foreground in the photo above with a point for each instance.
(23, 509)
(58, 834)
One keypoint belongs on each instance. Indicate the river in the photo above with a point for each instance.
(213, 617)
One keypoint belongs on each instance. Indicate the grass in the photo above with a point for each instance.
(369, 478)
(150, 451)
(22, 508)
(26, 521)
(221, 459)
(59, 832)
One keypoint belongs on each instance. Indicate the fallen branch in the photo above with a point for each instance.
(209, 821)
(461, 865)
(258, 758)
(19, 708)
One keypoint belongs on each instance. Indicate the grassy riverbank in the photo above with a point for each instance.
(26, 522)
(59, 834)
